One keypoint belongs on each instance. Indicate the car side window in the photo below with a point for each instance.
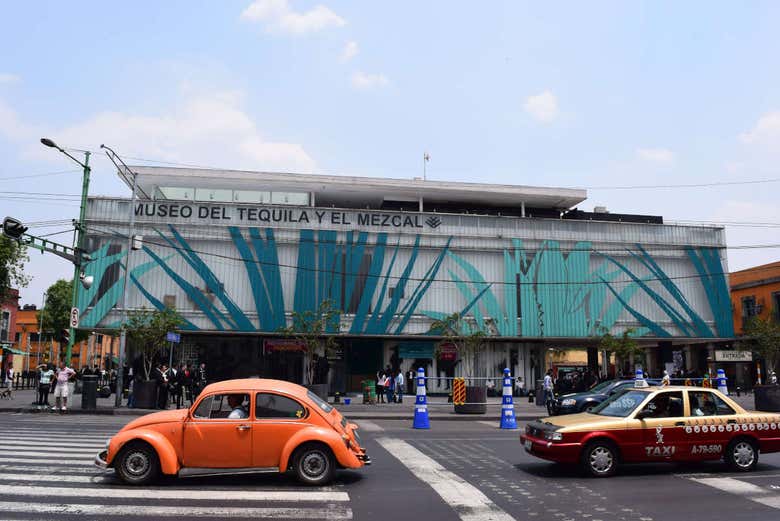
(204, 408)
(702, 403)
(269, 405)
(665, 405)
(234, 406)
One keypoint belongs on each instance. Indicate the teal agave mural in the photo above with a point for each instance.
(356, 277)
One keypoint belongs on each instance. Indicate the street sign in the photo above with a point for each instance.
(173, 337)
(74, 317)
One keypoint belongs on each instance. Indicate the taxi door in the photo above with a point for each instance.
(663, 431)
(212, 440)
(710, 424)
(277, 419)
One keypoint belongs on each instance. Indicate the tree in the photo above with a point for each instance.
(467, 338)
(624, 347)
(147, 329)
(13, 255)
(311, 329)
(762, 337)
(57, 309)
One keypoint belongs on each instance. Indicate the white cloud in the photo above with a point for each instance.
(8, 78)
(656, 155)
(542, 107)
(280, 17)
(363, 80)
(350, 51)
(765, 131)
(209, 130)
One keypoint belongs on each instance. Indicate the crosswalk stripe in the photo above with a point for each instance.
(48, 452)
(36, 470)
(469, 503)
(38, 435)
(73, 462)
(329, 513)
(145, 493)
(35, 444)
(64, 478)
(743, 489)
(369, 426)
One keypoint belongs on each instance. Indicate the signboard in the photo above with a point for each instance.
(448, 351)
(173, 337)
(283, 345)
(733, 356)
(74, 317)
(415, 350)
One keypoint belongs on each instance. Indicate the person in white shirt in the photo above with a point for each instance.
(238, 412)
(399, 386)
(62, 390)
(666, 380)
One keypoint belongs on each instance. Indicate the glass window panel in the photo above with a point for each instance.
(269, 405)
(251, 196)
(213, 194)
(176, 193)
(293, 198)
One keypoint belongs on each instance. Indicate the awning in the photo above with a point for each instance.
(15, 351)
(115, 359)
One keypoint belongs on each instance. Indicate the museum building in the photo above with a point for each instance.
(239, 253)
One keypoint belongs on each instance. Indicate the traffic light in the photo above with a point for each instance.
(13, 228)
(65, 337)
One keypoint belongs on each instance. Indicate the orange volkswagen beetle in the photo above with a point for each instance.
(238, 426)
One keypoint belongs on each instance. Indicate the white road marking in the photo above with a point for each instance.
(48, 443)
(743, 489)
(48, 452)
(34, 469)
(64, 478)
(74, 462)
(104, 511)
(39, 436)
(489, 424)
(141, 493)
(369, 426)
(468, 502)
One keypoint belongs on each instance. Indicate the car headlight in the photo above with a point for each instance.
(553, 436)
(568, 402)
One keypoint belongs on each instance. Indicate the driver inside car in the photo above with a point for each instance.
(238, 412)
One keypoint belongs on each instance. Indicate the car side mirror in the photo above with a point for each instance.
(644, 413)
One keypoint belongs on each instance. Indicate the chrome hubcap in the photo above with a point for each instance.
(137, 463)
(314, 464)
(600, 460)
(744, 455)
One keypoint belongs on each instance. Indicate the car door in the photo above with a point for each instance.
(710, 424)
(277, 418)
(663, 432)
(212, 439)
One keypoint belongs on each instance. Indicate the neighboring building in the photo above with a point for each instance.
(9, 348)
(755, 292)
(237, 252)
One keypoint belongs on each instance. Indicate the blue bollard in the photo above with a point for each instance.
(421, 420)
(508, 419)
(722, 382)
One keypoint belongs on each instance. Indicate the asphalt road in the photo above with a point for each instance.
(457, 470)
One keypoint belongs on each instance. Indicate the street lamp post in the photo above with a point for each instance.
(79, 239)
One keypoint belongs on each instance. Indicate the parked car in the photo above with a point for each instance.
(579, 402)
(656, 424)
(238, 426)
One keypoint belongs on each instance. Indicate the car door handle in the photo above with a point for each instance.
(679, 424)
(242, 427)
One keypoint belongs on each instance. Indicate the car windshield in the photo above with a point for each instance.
(621, 404)
(600, 387)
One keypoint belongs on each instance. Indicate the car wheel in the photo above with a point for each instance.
(137, 464)
(600, 459)
(314, 465)
(742, 455)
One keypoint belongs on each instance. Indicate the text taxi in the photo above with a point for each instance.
(656, 424)
(238, 426)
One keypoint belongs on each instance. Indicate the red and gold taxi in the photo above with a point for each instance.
(655, 424)
(238, 426)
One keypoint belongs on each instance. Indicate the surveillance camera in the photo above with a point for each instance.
(86, 280)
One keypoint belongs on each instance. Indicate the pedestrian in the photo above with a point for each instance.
(162, 386)
(62, 389)
(665, 381)
(45, 375)
(410, 376)
(519, 386)
(180, 383)
(187, 380)
(381, 379)
(547, 385)
(130, 389)
(389, 387)
(773, 379)
(202, 378)
(399, 386)
(9, 381)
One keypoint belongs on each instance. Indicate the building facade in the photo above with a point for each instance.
(238, 253)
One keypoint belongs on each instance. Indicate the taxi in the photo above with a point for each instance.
(235, 427)
(656, 424)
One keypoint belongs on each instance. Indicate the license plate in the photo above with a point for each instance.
(528, 445)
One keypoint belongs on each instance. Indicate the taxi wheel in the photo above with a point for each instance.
(600, 459)
(138, 464)
(314, 464)
(742, 455)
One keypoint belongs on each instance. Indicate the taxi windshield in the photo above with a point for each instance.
(621, 404)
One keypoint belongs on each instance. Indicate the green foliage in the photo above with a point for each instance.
(468, 338)
(314, 329)
(56, 312)
(13, 255)
(146, 331)
(762, 337)
(624, 346)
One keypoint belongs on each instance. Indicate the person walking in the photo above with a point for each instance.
(62, 389)
(389, 387)
(162, 386)
(9, 380)
(381, 380)
(187, 380)
(399, 386)
(410, 376)
(549, 395)
(45, 375)
(201, 377)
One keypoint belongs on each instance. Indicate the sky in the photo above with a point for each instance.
(573, 94)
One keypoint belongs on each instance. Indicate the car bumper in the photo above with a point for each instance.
(100, 459)
(552, 451)
(364, 458)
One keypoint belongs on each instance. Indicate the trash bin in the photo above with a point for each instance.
(369, 391)
(89, 392)
(540, 393)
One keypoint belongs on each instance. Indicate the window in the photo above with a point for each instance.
(34, 337)
(175, 193)
(776, 305)
(704, 403)
(275, 406)
(748, 309)
(251, 196)
(621, 404)
(17, 337)
(666, 405)
(224, 406)
(213, 194)
(292, 198)
(322, 404)
(5, 320)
